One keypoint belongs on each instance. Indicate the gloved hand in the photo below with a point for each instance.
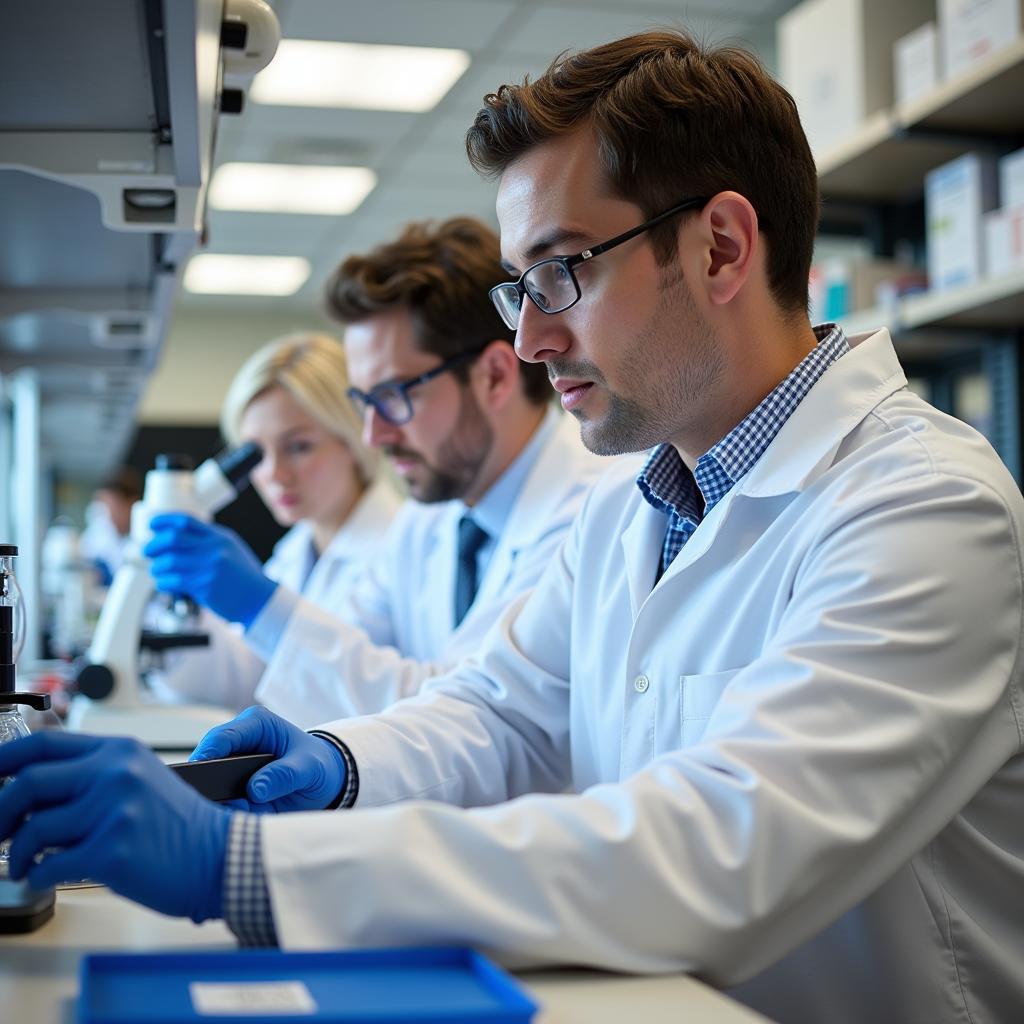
(308, 775)
(116, 815)
(209, 563)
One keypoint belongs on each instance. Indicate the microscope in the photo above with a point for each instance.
(22, 908)
(110, 692)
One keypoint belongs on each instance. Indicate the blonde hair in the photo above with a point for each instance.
(311, 368)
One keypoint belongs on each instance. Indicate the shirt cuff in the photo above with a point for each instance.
(247, 909)
(350, 791)
(265, 631)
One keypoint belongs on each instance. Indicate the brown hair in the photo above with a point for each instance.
(673, 119)
(125, 482)
(441, 273)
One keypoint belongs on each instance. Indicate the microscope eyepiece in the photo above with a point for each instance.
(237, 463)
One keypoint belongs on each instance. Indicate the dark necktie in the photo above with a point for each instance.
(471, 539)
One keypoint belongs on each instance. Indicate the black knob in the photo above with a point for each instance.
(234, 35)
(96, 682)
(231, 101)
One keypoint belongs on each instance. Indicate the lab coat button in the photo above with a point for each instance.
(641, 684)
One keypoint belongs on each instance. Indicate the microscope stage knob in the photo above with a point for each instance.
(96, 682)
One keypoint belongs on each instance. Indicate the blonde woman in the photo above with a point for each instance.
(316, 477)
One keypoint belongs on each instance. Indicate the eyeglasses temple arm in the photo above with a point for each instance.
(589, 254)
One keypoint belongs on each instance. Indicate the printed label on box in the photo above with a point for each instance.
(973, 30)
(265, 998)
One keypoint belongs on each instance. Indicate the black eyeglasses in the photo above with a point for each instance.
(551, 282)
(391, 399)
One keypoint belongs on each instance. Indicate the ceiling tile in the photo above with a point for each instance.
(464, 24)
(546, 31)
(267, 234)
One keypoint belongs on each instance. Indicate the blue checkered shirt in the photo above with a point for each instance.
(247, 908)
(686, 498)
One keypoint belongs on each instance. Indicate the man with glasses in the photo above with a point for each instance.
(780, 669)
(496, 472)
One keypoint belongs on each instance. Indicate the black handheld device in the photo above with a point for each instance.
(223, 778)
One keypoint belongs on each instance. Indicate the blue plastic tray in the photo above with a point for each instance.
(385, 986)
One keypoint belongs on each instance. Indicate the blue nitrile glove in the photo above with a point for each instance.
(308, 775)
(209, 563)
(116, 815)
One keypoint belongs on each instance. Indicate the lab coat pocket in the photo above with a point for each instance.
(699, 697)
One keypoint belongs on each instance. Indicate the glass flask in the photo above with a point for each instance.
(12, 639)
(12, 727)
(10, 596)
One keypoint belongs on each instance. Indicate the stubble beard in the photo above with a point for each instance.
(675, 362)
(460, 458)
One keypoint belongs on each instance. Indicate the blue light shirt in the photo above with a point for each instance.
(491, 512)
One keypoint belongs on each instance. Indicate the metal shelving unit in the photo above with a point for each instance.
(107, 120)
(107, 114)
(878, 175)
(894, 149)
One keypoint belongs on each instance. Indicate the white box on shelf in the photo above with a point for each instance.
(1004, 240)
(972, 30)
(916, 63)
(956, 195)
(1011, 179)
(835, 57)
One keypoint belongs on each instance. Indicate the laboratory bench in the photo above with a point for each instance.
(39, 971)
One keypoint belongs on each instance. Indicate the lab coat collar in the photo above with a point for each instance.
(362, 528)
(844, 395)
(493, 511)
(547, 482)
(841, 398)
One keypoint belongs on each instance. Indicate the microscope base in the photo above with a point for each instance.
(23, 909)
(163, 727)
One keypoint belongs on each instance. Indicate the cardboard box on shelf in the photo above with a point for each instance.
(840, 287)
(956, 195)
(1011, 178)
(972, 30)
(1004, 241)
(835, 57)
(916, 60)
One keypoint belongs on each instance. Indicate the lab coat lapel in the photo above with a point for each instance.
(288, 562)
(641, 548)
(698, 544)
(546, 487)
(808, 441)
(846, 393)
(438, 574)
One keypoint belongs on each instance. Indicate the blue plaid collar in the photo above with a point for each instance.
(668, 485)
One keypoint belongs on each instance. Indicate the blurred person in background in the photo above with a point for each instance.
(316, 477)
(497, 473)
(108, 520)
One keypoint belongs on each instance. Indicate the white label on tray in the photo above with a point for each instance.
(258, 997)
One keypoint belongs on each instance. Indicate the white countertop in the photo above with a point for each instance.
(39, 971)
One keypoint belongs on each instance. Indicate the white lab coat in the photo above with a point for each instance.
(799, 757)
(396, 629)
(228, 672)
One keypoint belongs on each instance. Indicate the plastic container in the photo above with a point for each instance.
(386, 986)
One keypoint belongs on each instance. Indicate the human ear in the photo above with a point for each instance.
(729, 227)
(496, 373)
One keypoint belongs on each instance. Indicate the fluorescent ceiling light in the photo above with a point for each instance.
(214, 274)
(308, 73)
(289, 188)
